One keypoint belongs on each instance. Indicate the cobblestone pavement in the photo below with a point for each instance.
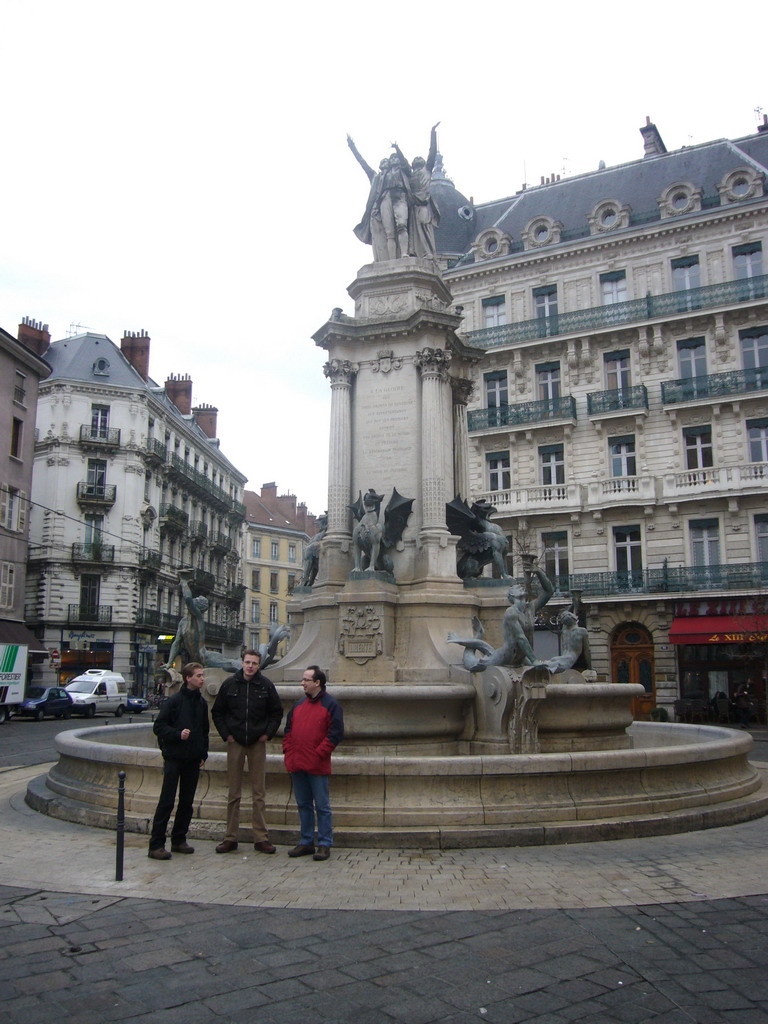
(670, 929)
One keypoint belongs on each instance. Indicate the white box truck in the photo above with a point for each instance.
(13, 676)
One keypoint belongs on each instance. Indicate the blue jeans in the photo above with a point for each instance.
(312, 797)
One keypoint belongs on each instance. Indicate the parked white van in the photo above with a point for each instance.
(98, 689)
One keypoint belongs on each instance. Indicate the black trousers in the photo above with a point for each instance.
(182, 775)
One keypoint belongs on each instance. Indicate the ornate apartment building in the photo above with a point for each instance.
(619, 419)
(277, 532)
(129, 487)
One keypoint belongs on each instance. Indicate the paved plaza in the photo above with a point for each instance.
(671, 929)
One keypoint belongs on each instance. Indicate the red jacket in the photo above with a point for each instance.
(313, 730)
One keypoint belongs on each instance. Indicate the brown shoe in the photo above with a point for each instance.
(322, 853)
(301, 851)
(264, 847)
(227, 846)
(160, 853)
(182, 848)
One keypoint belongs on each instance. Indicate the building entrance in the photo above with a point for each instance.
(632, 661)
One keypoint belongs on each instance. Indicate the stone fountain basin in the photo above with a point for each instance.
(674, 778)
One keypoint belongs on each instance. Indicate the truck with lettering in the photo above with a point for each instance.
(13, 675)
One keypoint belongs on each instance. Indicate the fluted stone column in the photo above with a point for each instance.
(340, 373)
(462, 389)
(436, 467)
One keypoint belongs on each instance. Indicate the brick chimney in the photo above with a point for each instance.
(654, 144)
(135, 348)
(269, 494)
(178, 387)
(205, 417)
(34, 335)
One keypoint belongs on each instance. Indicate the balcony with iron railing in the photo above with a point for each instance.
(99, 437)
(148, 617)
(198, 531)
(220, 543)
(101, 613)
(235, 593)
(617, 400)
(93, 552)
(89, 493)
(672, 580)
(715, 482)
(732, 383)
(523, 414)
(610, 316)
(155, 450)
(19, 394)
(150, 559)
(172, 517)
(202, 580)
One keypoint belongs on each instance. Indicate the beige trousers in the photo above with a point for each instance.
(237, 756)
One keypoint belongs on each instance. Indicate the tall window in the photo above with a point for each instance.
(100, 421)
(548, 381)
(623, 458)
(757, 436)
(613, 287)
(761, 537)
(556, 564)
(496, 393)
(20, 388)
(545, 305)
(629, 555)
(273, 586)
(94, 526)
(698, 447)
(97, 477)
(552, 464)
(275, 550)
(686, 275)
(256, 547)
(90, 589)
(617, 370)
(754, 355)
(255, 611)
(255, 579)
(705, 541)
(692, 357)
(12, 508)
(494, 311)
(273, 611)
(7, 578)
(747, 265)
(498, 471)
(291, 552)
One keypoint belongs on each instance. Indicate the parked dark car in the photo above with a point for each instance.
(46, 700)
(135, 705)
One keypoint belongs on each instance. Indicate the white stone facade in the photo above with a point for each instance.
(619, 421)
(126, 491)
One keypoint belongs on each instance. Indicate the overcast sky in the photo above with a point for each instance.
(181, 167)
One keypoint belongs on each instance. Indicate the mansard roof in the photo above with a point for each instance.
(637, 185)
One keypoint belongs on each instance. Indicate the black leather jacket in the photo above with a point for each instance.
(247, 709)
(184, 710)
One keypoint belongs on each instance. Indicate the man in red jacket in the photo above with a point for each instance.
(314, 729)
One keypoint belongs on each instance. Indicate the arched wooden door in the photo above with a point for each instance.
(632, 662)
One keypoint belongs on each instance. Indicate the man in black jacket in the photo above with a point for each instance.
(181, 728)
(247, 712)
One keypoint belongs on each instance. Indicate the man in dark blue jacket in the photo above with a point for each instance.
(314, 729)
(181, 728)
(247, 713)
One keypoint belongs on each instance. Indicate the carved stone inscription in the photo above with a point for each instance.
(386, 422)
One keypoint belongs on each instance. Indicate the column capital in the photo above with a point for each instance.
(433, 362)
(340, 371)
(462, 388)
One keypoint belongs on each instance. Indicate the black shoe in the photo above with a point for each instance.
(264, 847)
(322, 853)
(160, 853)
(227, 846)
(301, 851)
(183, 847)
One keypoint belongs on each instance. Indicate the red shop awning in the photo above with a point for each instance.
(720, 629)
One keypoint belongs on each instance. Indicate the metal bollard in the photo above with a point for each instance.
(120, 851)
